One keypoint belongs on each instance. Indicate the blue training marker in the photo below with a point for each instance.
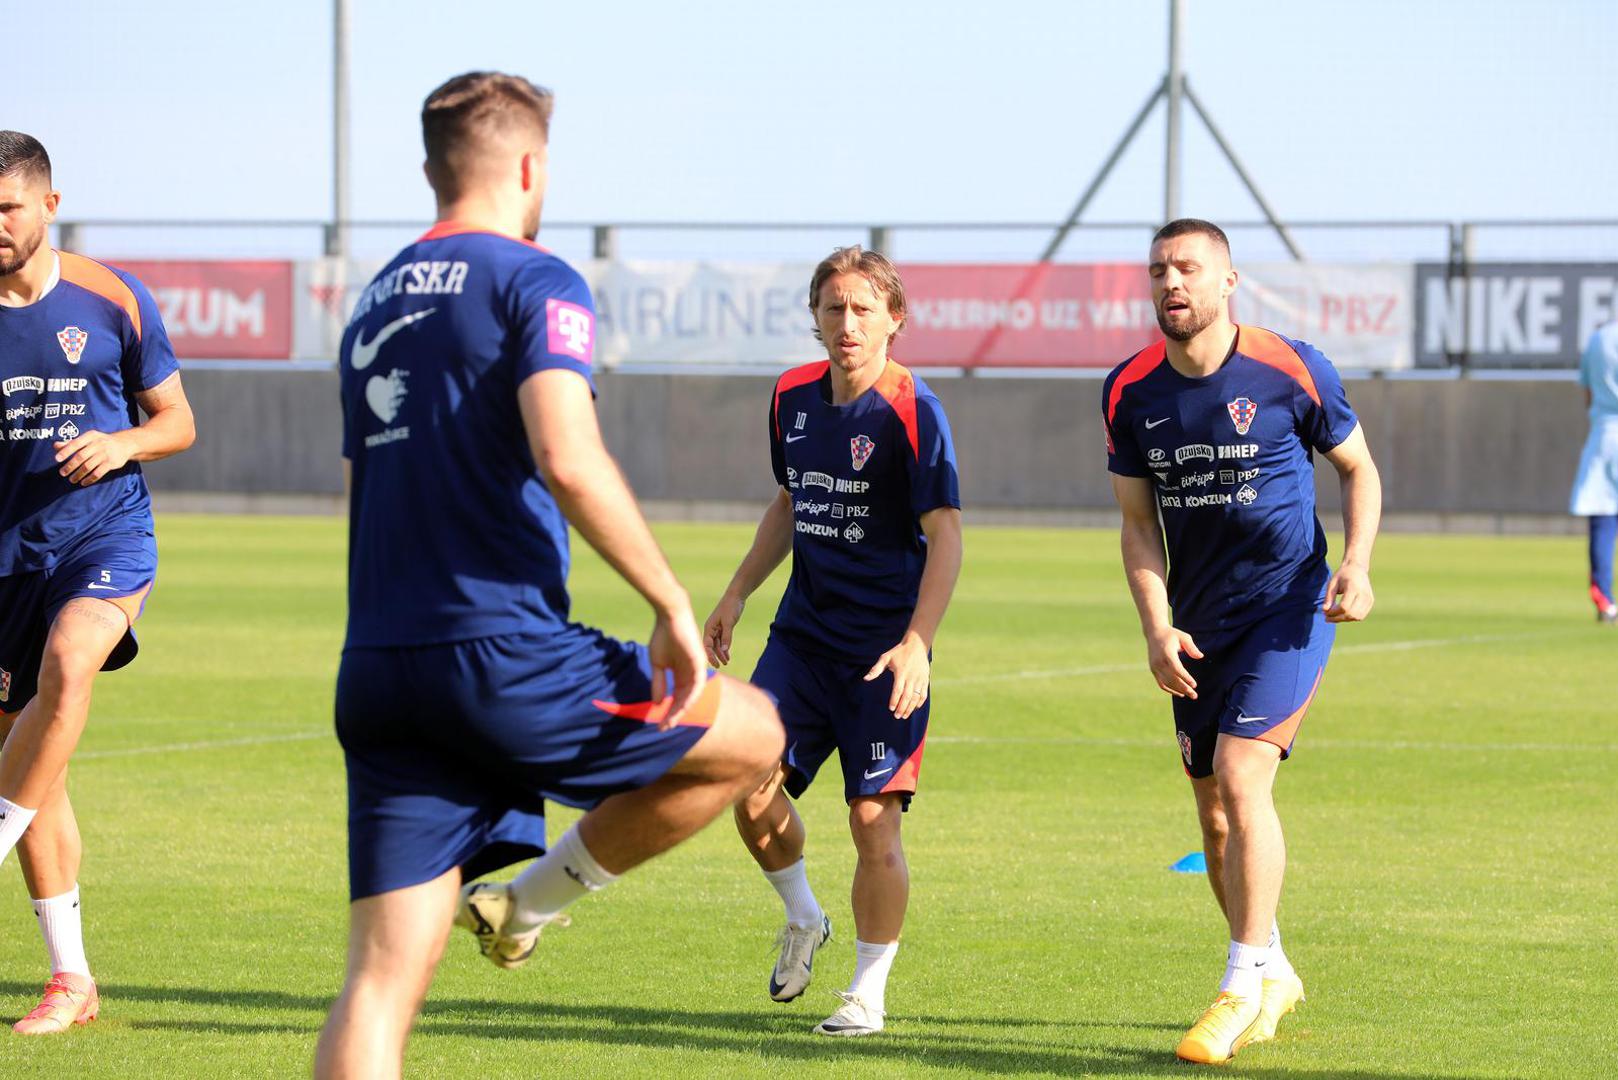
(1194, 863)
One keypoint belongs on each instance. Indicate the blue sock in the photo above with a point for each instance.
(1603, 534)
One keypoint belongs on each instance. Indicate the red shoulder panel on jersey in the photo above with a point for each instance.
(899, 387)
(91, 276)
(793, 379)
(1140, 365)
(1268, 347)
(456, 228)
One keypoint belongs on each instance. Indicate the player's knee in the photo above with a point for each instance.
(874, 825)
(760, 740)
(65, 672)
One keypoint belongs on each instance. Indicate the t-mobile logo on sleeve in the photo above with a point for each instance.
(569, 329)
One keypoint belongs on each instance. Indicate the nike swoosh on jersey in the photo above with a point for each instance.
(869, 775)
(365, 351)
(795, 438)
(1150, 424)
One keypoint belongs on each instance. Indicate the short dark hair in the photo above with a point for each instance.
(1188, 225)
(875, 268)
(472, 108)
(23, 154)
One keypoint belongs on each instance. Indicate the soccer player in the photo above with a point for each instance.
(83, 353)
(1595, 491)
(1210, 440)
(869, 507)
(466, 696)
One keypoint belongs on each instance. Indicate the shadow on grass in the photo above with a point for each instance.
(781, 1038)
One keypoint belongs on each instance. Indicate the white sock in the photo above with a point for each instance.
(792, 884)
(1278, 965)
(14, 821)
(871, 966)
(63, 929)
(1244, 970)
(562, 875)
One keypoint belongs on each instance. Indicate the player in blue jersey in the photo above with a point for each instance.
(869, 508)
(1210, 439)
(83, 354)
(1595, 489)
(466, 694)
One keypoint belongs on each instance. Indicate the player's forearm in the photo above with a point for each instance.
(165, 432)
(938, 578)
(1362, 512)
(598, 503)
(1146, 569)
(772, 542)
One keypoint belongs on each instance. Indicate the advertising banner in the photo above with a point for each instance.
(237, 310)
(1512, 315)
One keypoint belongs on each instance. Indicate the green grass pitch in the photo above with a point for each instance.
(1451, 899)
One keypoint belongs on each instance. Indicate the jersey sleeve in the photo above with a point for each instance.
(344, 350)
(1123, 453)
(149, 356)
(1325, 423)
(778, 457)
(1590, 362)
(935, 481)
(555, 320)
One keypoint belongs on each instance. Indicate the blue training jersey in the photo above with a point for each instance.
(1231, 458)
(1598, 373)
(453, 534)
(71, 362)
(860, 476)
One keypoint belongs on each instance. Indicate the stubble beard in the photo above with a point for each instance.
(14, 258)
(1197, 320)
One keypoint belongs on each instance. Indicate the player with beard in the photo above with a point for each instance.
(1210, 439)
(83, 353)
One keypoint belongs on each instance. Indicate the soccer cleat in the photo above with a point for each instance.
(1281, 996)
(69, 999)
(796, 964)
(1607, 616)
(1225, 1028)
(852, 1018)
(484, 909)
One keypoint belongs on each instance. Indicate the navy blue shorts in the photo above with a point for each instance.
(108, 565)
(1255, 681)
(453, 749)
(827, 705)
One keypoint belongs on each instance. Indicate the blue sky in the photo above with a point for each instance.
(842, 111)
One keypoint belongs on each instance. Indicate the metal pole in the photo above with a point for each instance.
(878, 240)
(1175, 83)
(1101, 177)
(1235, 163)
(337, 236)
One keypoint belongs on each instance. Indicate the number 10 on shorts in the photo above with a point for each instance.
(879, 750)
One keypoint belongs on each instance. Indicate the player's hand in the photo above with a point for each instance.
(678, 673)
(721, 624)
(1163, 650)
(911, 671)
(91, 456)
(1348, 594)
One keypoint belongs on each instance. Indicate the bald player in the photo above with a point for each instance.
(83, 355)
(467, 696)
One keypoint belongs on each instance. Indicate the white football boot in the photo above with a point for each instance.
(796, 964)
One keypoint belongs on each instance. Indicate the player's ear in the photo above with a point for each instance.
(1232, 279)
(53, 199)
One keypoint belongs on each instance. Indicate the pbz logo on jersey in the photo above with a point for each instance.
(1242, 411)
(72, 340)
(569, 330)
(861, 446)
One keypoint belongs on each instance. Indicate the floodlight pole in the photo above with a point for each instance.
(1175, 84)
(1173, 89)
(337, 234)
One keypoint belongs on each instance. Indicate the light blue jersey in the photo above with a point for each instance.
(1598, 373)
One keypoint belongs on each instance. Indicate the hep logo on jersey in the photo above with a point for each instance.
(569, 329)
(861, 447)
(72, 340)
(1242, 412)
